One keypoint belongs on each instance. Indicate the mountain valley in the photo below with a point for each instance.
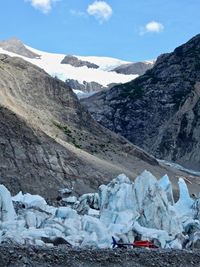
(49, 141)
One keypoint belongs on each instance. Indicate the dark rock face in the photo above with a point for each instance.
(159, 111)
(29, 160)
(75, 62)
(16, 46)
(134, 68)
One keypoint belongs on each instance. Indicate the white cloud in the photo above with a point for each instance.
(43, 5)
(152, 26)
(101, 10)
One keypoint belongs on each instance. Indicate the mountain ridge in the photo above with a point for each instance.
(158, 111)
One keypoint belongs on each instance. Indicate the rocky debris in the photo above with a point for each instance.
(62, 256)
(16, 46)
(134, 68)
(158, 111)
(55, 241)
(123, 209)
(75, 62)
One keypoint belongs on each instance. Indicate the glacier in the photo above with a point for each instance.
(141, 210)
(51, 63)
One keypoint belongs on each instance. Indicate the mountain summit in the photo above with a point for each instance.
(16, 46)
(159, 111)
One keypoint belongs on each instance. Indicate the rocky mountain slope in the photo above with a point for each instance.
(49, 141)
(159, 111)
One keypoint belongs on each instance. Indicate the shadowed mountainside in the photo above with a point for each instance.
(159, 111)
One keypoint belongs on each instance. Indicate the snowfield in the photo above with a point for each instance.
(51, 63)
(142, 210)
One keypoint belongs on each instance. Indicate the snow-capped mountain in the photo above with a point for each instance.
(96, 70)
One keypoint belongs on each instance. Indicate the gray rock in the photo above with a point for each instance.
(56, 241)
(134, 68)
(75, 62)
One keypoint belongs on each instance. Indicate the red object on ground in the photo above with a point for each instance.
(136, 244)
(144, 244)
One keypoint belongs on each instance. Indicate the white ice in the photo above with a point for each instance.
(122, 209)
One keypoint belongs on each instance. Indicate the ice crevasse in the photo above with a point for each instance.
(143, 209)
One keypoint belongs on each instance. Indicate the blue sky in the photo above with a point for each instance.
(127, 29)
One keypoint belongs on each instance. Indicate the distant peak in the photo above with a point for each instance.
(16, 46)
(12, 39)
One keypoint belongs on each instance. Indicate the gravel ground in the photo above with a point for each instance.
(21, 256)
